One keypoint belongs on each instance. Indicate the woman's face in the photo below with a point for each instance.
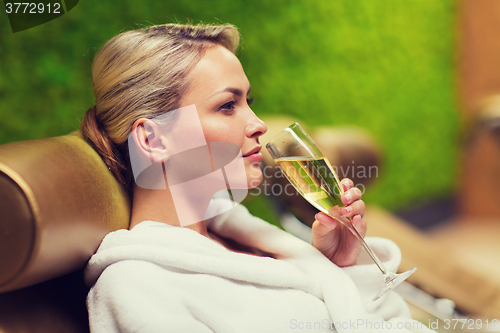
(219, 89)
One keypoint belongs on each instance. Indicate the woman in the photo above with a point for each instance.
(231, 272)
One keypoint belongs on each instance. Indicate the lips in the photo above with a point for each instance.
(254, 155)
(253, 151)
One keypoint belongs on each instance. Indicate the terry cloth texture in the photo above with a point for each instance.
(160, 278)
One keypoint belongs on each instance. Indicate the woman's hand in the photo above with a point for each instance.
(334, 240)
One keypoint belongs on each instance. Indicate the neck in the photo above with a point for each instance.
(158, 205)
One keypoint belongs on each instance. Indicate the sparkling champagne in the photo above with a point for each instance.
(315, 180)
(312, 175)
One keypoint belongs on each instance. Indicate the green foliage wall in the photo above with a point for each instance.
(385, 65)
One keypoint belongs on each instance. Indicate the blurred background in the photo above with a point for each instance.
(418, 77)
(387, 66)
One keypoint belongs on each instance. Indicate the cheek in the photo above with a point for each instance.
(218, 131)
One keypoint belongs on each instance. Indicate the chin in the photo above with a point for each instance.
(254, 181)
(254, 176)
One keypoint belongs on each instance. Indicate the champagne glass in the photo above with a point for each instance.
(311, 174)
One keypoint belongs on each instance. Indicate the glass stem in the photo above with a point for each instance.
(355, 232)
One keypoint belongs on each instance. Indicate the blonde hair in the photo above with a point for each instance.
(142, 74)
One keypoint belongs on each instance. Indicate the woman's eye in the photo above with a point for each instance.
(227, 106)
(250, 101)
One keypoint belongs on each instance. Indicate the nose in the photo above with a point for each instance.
(255, 126)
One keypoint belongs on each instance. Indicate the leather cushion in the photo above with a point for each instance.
(57, 201)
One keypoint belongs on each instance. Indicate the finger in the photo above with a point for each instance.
(327, 221)
(347, 184)
(351, 195)
(322, 238)
(356, 208)
(360, 224)
(323, 225)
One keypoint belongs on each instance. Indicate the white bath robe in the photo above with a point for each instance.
(160, 278)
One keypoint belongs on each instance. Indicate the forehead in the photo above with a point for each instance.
(216, 70)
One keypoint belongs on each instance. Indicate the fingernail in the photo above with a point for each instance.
(346, 185)
(346, 210)
(347, 197)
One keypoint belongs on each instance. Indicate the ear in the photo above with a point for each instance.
(149, 140)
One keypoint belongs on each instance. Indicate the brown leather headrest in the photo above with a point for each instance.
(57, 202)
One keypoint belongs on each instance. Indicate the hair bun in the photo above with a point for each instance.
(97, 137)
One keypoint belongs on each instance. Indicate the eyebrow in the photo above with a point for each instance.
(236, 91)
